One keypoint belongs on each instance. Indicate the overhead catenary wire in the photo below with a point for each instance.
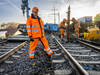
(14, 6)
(67, 2)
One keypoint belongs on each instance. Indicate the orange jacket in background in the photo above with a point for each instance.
(77, 26)
(62, 27)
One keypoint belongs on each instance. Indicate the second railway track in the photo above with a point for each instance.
(86, 55)
(7, 46)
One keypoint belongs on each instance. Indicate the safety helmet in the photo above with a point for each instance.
(73, 18)
(35, 9)
(64, 20)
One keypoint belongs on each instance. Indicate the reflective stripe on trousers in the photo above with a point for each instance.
(31, 54)
(49, 51)
(43, 40)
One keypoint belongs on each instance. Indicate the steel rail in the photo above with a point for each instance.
(89, 45)
(91, 42)
(12, 51)
(74, 62)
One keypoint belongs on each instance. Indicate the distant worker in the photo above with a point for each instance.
(62, 28)
(76, 26)
(36, 33)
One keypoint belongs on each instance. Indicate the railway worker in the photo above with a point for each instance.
(35, 31)
(76, 26)
(62, 28)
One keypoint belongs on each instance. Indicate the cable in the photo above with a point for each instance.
(16, 7)
(68, 1)
(11, 3)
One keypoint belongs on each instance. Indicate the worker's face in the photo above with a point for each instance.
(65, 20)
(35, 13)
(73, 19)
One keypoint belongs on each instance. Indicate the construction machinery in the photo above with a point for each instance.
(24, 7)
(93, 34)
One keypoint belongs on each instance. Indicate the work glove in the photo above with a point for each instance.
(31, 39)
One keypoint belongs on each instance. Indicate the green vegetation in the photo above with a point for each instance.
(97, 20)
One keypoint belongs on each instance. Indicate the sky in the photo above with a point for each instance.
(10, 9)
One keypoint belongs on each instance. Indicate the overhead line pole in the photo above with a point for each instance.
(25, 6)
(54, 13)
(69, 23)
(68, 17)
(27, 9)
(58, 17)
(54, 16)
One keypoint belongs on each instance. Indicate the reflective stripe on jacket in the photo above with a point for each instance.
(34, 28)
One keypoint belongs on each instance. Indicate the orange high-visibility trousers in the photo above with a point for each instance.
(34, 43)
(61, 31)
(77, 33)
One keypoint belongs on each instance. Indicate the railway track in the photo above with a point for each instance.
(78, 69)
(86, 55)
(7, 46)
(8, 49)
(15, 61)
(11, 43)
(3, 41)
(91, 42)
(68, 59)
(61, 65)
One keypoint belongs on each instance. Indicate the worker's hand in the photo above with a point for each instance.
(31, 39)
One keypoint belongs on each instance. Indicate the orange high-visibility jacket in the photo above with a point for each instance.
(34, 28)
(62, 25)
(76, 24)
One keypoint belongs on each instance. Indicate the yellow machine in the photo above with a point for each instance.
(93, 34)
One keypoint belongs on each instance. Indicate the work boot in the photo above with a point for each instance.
(62, 41)
(50, 67)
(34, 62)
(49, 61)
(49, 57)
(76, 39)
